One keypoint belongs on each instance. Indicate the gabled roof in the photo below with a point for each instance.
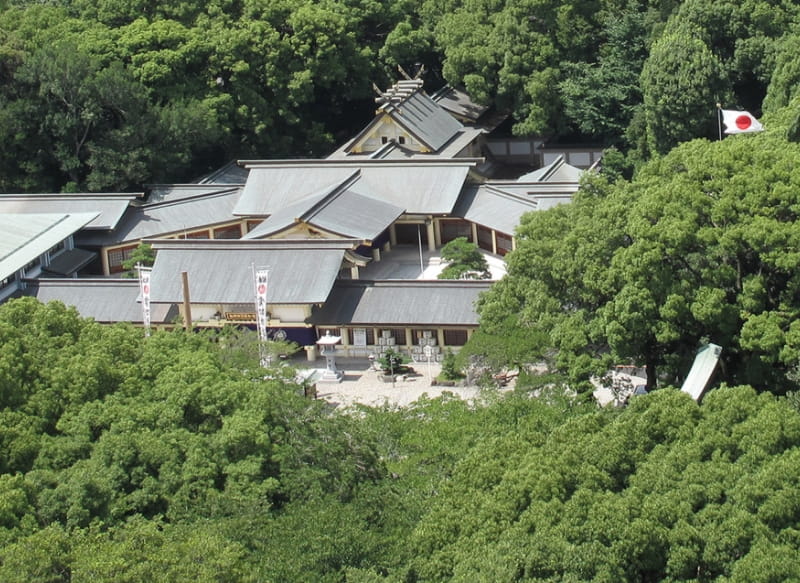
(420, 187)
(158, 193)
(104, 300)
(274, 185)
(230, 173)
(339, 211)
(108, 208)
(26, 236)
(170, 217)
(459, 104)
(500, 205)
(221, 271)
(557, 171)
(410, 107)
(397, 303)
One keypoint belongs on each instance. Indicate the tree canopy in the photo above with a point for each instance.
(110, 95)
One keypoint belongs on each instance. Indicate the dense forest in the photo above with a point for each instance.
(174, 458)
(108, 95)
(177, 458)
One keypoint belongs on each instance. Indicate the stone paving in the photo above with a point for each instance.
(362, 385)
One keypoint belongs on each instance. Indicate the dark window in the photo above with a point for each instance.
(504, 244)
(401, 139)
(485, 238)
(117, 256)
(230, 232)
(454, 228)
(455, 337)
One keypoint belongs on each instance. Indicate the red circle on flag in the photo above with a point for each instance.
(262, 289)
(743, 122)
(147, 289)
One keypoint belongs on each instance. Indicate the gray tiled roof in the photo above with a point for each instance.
(339, 211)
(395, 303)
(221, 272)
(108, 208)
(171, 216)
(105, 300)
(420, 187)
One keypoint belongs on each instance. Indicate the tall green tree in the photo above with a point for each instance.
(698, 247)
(681, 82)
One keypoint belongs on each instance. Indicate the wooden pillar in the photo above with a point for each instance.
(104, 261)
(187, 308)
(354, 272)
(437, 231)
(409, 338)
(393, 235)
(440, 337)
(474, 229)
(431, 232)
(494, 241)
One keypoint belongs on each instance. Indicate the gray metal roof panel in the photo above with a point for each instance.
(421, 187)
(425, 119)
(158, 193)
(458, 103)
(109, 208)
(357, 216)
(438, 303)
(271, 188)
(70, 261)
(105, 300)
(230, 173)
(557, 171)
(172, 216)
(501, 210)
(26, 236)
(341, 212)
(285, 217)
(221, 272)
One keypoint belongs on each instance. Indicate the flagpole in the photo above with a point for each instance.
(719, 120)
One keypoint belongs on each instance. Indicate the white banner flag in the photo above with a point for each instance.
(261, 303)
(144, 289)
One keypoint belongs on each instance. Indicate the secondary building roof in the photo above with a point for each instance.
(557, 171)
(500, 205)
(420, 187)
(338, 211)
(400, 302)
(459, 104)
(174, 215)
(108, 208)
(26, 236)
(221, 271)
(104, 300)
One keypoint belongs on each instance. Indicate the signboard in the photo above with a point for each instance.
(144, 290)
(359, 336)
(261, 303)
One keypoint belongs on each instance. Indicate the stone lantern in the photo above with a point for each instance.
(327, 347)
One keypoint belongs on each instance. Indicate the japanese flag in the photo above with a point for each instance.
(740, 122)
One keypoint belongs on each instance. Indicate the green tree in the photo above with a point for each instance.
(680, 82)
(465, 261)
(697, 247)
